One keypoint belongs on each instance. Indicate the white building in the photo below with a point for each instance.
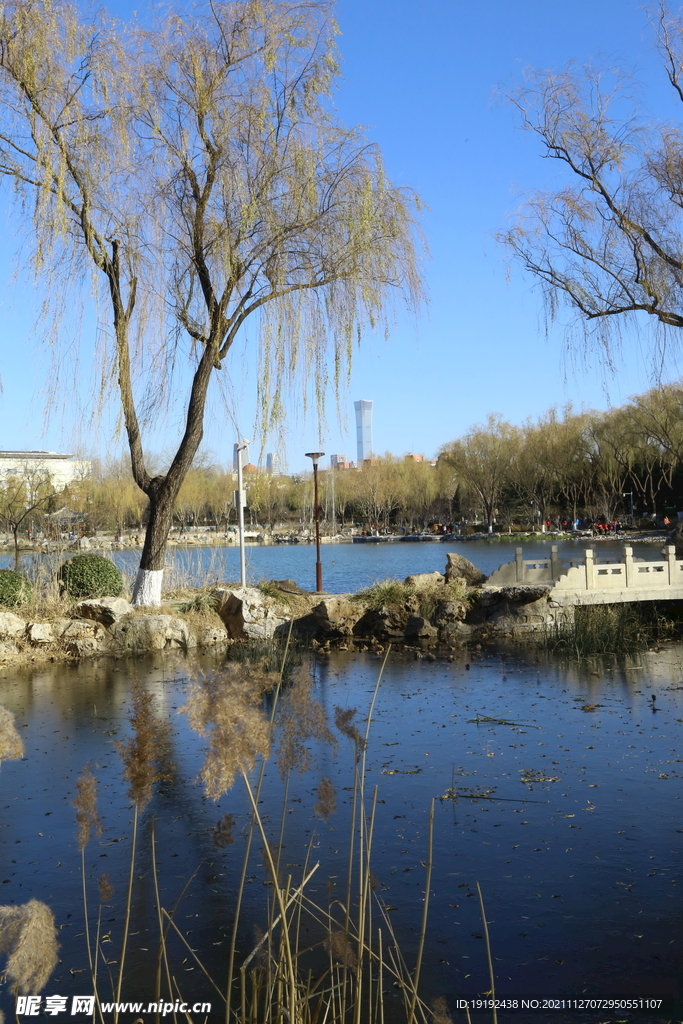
(62, 469)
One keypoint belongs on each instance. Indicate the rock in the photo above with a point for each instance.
(460, 568)
(454, 632)
(418, 628)
(83, 648)
(249, 614)
(81, 629)
(7, 650)
(212, 635)
(39, 633)
(151, 633)
(425, 580)
(386, 623)
(289, 587)
(11, 625)
(106, 610)
(450, 611)
(336, 616)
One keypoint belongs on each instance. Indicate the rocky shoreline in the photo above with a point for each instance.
(428, 611)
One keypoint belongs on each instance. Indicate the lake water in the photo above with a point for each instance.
(575, 831)
(351, 567)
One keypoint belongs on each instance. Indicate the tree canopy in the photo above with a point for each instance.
(608, 243)
(197, 171)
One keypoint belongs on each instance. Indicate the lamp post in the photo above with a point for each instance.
(318, 564)
(239, 502)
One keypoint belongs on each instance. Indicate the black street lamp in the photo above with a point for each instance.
(318, 564)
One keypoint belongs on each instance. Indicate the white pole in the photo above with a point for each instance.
(240, 515)
(334, 523)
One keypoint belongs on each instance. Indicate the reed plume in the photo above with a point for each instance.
(341, 949)
(327, 803)
(223, 832)
(145, 753)
(226, 709)
(85, 803)
(440, 1011)
(302, 719)
(29, 938)
(343, 719)
(105, 888)
(11, 743)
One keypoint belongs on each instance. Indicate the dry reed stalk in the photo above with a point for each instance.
(247, 850)
(494, 1013)
(145, 760)
(425, 911)
(29, 938)
(11, 744)
(162, 955)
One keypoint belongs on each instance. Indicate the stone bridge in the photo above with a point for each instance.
(591, 580)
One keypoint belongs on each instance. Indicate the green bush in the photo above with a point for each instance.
(90, 576)
(15, 589)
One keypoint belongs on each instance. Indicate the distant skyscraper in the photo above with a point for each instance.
(363, 430)
(272, 463)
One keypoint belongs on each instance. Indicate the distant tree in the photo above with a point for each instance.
(609, 241)
(484, 461)
(24, 494)
(198, 171)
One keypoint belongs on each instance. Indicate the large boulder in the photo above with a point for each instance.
(10, 625)
(460, 568)
(336, 616)
(151, 633)
(213, 634)
(105, 610)
(386, 623)
(248, 613)
(675, 537)
(419, 628)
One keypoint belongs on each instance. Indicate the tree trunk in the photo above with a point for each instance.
(147, 589)
(15, 531)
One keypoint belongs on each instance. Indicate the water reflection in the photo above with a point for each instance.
(581, 875)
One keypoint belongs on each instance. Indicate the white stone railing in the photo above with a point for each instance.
(590, 573)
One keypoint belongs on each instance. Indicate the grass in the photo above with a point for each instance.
(618, 629)
(333, 959)
(423, 598)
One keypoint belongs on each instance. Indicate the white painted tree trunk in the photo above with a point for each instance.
(147, 589)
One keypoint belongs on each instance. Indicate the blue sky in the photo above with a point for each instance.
(423, 78)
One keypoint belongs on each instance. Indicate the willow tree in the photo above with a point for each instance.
(198, 171)
(484, 462)
(608, 242)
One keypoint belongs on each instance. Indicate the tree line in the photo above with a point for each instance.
(623, 464)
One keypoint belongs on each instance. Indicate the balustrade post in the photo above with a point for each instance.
(590, 569)
(554, 563)
(671, 561)
(519, 566)
(628, 565)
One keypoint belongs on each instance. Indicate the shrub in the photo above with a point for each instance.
(15, 589)
(90, 576)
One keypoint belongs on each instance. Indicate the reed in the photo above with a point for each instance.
(316, 960)
(619, 629)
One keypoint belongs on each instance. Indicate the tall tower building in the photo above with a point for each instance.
(363, 430)
(273, 463)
